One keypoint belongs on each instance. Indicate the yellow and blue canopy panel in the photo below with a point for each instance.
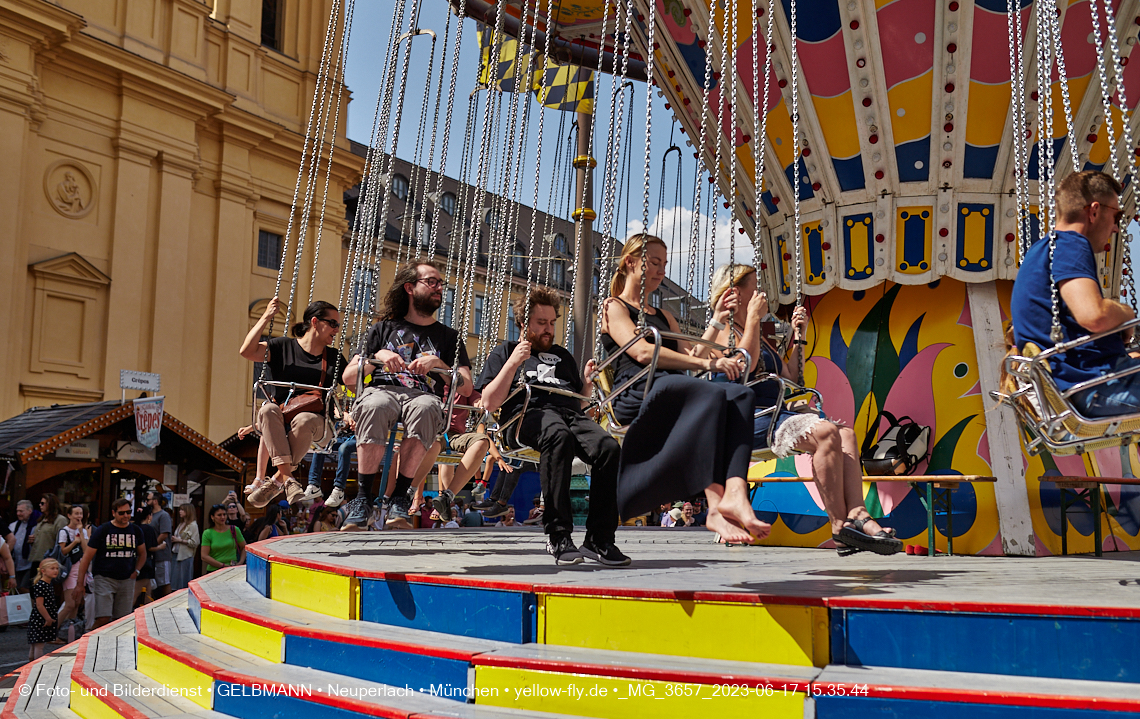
(907, 165)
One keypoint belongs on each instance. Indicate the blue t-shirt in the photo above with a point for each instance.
(1033, 314)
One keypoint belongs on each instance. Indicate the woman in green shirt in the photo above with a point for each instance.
(222, 544)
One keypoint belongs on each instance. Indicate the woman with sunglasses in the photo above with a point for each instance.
(309, 358)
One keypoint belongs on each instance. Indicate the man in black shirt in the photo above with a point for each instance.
(556, 426)
(400, 351)
(116, 553)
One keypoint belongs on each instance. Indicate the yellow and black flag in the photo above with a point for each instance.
(561, 87)
(567, 87)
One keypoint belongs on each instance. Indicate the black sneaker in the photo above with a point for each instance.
(603, 553)
(398, 508)
(358, 512)
(485, 504)
(442, 504)
(496, 510)
(563, 550)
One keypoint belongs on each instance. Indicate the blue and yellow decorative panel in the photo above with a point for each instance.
(858, 246)
(785, 262)
(913, 230)
(975, 237)
(814, 253)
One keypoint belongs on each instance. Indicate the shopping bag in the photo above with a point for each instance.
(18, 608)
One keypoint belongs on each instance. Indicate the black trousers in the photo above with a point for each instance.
(560, 434)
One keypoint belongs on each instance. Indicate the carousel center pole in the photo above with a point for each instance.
(584, 216)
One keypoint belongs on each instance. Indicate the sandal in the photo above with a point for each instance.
(843, 549)
(882, 542)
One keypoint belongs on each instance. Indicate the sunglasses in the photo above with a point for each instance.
(331, 323)
(1116, 218)
(124, 513)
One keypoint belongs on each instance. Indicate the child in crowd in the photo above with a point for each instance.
(43, 625)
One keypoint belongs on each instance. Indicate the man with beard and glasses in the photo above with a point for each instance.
(400, 350)
(556, 426)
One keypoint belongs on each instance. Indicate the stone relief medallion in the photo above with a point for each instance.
(70, 188)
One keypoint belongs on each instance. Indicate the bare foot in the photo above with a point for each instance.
(728, 531)
(736, 508)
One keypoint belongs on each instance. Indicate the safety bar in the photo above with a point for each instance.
(788, 389)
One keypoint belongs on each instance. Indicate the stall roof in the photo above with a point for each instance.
(41, 430)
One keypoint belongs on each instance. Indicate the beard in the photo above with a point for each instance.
(426, 304)
(542, 342)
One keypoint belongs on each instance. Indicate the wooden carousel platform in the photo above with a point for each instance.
(481, 623)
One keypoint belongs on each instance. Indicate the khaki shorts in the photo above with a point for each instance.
(460, 443)
(114, 598)
(379, 408)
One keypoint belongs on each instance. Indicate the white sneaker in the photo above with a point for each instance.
(312, 493)
(336, 498)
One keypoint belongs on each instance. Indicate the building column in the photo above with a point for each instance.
(168, 349)
(127, 296)
(14, 140)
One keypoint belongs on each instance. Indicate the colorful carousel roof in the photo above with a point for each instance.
(907, 169)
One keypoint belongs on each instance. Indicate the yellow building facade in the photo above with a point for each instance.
(148, 150)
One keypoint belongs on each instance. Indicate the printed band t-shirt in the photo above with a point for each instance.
(551, 368)
(411, 342)
(289, 362)
(1032, 309)
(117, 553)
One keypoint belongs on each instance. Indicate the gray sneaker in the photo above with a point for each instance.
(496, 510)
(442, 504)
(563, 550)
(398, 508)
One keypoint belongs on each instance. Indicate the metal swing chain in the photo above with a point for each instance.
(408, 219)
(586, 186)
(695, 229)
(484, 159)
(1016, 52)
(555, 192)
(652, 27)
(459, 229)
(760, 130)
(1105, 97)
(1129, 279)
(1022, 143)
(427, 244)
(730, 36)
(1062, 79)
(448, 114)
(718, 159)
(325, 52)
(614, 157)
(796, 151)
(364, 230)
(1046, 161)
(542, 97)
(314, 145)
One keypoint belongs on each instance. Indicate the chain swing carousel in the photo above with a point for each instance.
(890, 182)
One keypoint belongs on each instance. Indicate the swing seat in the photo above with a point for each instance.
(508, 441)
(604, 381)
(1051, 421)
(796, 399)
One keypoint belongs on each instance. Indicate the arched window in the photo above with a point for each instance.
(400, 186)
(558, 273)
(447, 203)
(560, 244)
(519, 261)
(492, 218)
(423, 231)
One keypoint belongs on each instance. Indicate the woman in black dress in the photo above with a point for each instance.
(688, 435)
(43, 624)
(834, 448)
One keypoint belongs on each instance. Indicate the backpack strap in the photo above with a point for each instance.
(873, 431)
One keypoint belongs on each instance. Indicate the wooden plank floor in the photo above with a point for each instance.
(688, 560)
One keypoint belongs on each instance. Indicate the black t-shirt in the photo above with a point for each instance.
(553, 368)
(411, 342)
(288, 362)
(116, 550)
(150, 538)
